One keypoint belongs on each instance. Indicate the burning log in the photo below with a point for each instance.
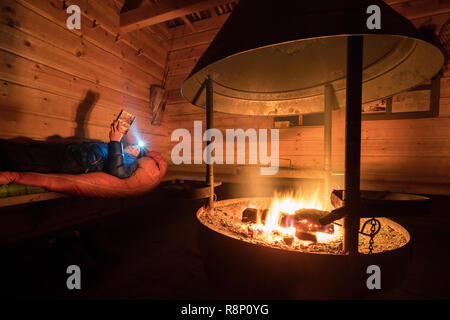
(264, 216)
(306, 220)
(250, 215)
(306, 236)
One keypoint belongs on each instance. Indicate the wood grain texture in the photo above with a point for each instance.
(155, 13)
(412, 151)
(47, 72)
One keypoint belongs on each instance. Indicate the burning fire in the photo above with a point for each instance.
(285, 206)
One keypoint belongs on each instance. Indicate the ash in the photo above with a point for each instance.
(227, 215)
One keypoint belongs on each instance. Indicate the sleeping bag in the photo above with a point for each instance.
(150, 171)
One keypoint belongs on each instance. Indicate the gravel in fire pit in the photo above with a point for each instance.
(227, 215)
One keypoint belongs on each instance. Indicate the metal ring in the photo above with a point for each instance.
(365, 224)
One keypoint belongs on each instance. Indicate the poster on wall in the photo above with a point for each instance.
(411, 101)
(378, 106)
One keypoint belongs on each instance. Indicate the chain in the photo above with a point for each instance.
(375, 227)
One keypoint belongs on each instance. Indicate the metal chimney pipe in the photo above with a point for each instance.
(210, 125)
(353, 143)
(327, 133)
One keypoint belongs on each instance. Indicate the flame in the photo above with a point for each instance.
(288, 203)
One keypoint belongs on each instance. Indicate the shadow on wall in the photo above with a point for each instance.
(83, 112)
(82, 116)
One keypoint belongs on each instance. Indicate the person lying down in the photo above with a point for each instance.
(74, 158)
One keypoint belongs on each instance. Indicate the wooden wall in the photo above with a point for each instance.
(56, 81)
(406, 155)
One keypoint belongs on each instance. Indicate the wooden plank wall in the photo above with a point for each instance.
(56, 81)
(415, 153)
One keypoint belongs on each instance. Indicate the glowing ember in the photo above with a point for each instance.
(286, 207)
(228, 215)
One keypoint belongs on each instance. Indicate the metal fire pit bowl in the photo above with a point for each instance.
(245, 270)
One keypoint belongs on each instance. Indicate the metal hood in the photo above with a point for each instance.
(275, 57)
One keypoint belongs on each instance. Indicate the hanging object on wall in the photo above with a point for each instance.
(158, 97)
(158, 100)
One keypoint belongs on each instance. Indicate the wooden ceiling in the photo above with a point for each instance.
(168, 18)
(171, 13)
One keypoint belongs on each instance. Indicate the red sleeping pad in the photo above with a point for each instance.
(147, 176)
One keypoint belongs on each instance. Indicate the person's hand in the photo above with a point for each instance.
(114, 134)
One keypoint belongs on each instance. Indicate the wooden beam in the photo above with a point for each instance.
(215, 17)
(201, 25)
(188, 23)
(420, 8)
(163, 11)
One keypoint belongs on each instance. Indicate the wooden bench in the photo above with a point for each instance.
(30, 198)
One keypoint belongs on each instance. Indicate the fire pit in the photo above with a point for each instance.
(297, 58)
(261, 255)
